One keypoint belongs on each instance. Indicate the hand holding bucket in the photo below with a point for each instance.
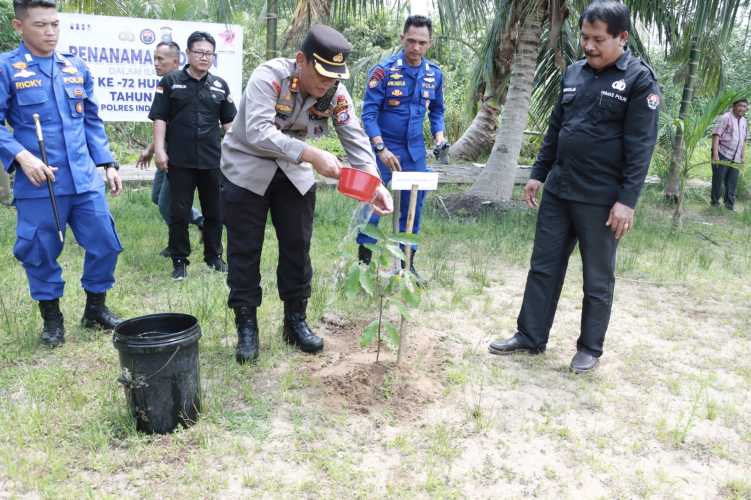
(366, 187)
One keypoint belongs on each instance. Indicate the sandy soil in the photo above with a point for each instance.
(665, 415)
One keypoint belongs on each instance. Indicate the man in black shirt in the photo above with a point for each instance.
(189, 106)
(593, 161)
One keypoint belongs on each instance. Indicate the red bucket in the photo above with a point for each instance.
(358, 184)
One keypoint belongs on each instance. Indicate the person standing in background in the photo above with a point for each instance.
(191, 108)
(166, 60)
(728, 153)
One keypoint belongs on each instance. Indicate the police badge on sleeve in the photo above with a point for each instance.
(653, 101)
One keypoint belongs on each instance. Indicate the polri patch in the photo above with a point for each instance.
(373, 83)
(342, 118)
(159, 90)
(620, 85)
(653, 101)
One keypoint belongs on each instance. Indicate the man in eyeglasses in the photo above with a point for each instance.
(190, 108)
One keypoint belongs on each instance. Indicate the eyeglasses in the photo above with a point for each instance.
(202, 55)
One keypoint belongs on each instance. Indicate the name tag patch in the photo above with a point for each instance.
(28, 84)
(613, 95)
(73, 79)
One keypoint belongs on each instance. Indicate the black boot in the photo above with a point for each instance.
(364, 254)
(96, 315)
(296, 330)
(247, 334)
(53, 331)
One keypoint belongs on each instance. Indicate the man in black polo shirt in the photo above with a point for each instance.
(593, 161)
(189, 107)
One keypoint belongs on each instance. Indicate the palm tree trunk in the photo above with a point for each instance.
(271, 15)
(673, 185)
(496, 182)
(307, 13)
(479, 136)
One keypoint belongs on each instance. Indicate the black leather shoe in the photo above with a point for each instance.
(96, 315)
(217, 264)
(53, 330)
(179, 269)
(583, 362)
(364, 254)
(512, 345)
(296, 330)
(247, 334)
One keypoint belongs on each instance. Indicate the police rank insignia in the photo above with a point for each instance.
(71, 70)
(620, 85)
(653, 101)
(78, 92)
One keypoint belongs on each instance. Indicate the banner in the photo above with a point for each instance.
(120, 54)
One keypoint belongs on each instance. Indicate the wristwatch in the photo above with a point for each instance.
(113, 164)
(379, 147)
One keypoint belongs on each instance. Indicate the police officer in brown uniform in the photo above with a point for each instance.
(263, 155)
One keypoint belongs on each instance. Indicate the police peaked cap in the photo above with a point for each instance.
(329, 50)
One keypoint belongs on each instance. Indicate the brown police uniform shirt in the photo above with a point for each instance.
(274, 119)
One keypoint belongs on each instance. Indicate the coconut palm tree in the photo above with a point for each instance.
(704, 24)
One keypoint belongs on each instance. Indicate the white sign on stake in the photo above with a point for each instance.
(119, 53)
(403, 181)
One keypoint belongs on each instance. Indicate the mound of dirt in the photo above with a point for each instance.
(351, 378)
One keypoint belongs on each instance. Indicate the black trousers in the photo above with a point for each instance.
(560, 225)
(727, 176)
(183, 183)
(245, 215)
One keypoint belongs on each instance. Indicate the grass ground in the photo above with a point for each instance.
(665, 415)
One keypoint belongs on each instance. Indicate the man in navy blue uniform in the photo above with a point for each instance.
(399, 92)
(35, 79)
(593, 162)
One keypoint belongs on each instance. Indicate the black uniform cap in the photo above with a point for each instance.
(328, 49)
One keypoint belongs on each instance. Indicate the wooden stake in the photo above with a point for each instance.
(407, 263)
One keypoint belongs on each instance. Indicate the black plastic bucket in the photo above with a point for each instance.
(159, 370)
